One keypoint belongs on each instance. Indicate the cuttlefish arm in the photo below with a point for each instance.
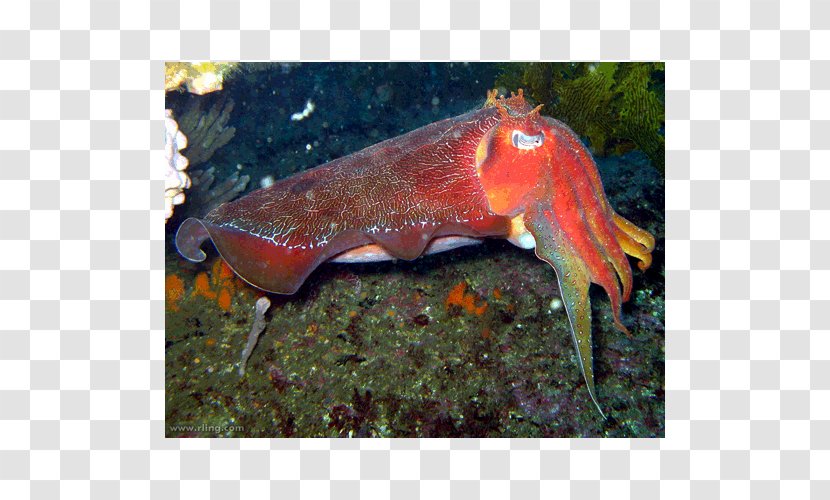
(554, 247)
(536, 171)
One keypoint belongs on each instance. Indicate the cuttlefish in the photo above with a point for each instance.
(501, 171)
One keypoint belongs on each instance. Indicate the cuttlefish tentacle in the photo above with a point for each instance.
(555, 248)
(569, 139)
(578, 233)
(594, 253)
(583, 214)
(581, 166)
(629, 239)
(564, 239)
(634, 241)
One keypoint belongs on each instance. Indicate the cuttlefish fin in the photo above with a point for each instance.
(553, 246)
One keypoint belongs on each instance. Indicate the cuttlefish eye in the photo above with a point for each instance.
(523, 141)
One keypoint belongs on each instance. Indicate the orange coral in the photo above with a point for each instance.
(459, 297)
(173, 291)
(456, 296)
(201, 287)
(222, 270)
(220, 286)
(224, 299)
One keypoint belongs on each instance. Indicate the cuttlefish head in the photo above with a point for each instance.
(510, 157)
(536, 171)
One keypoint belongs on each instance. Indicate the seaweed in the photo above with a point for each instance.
(617, 107)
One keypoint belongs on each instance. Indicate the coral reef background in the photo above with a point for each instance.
(464, 343)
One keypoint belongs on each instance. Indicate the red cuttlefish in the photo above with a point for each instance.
(502, 171)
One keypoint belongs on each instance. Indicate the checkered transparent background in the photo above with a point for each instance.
(748, 250)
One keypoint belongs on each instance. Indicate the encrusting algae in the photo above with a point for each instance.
(459, 297)
(218, 287)
(173, 291)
